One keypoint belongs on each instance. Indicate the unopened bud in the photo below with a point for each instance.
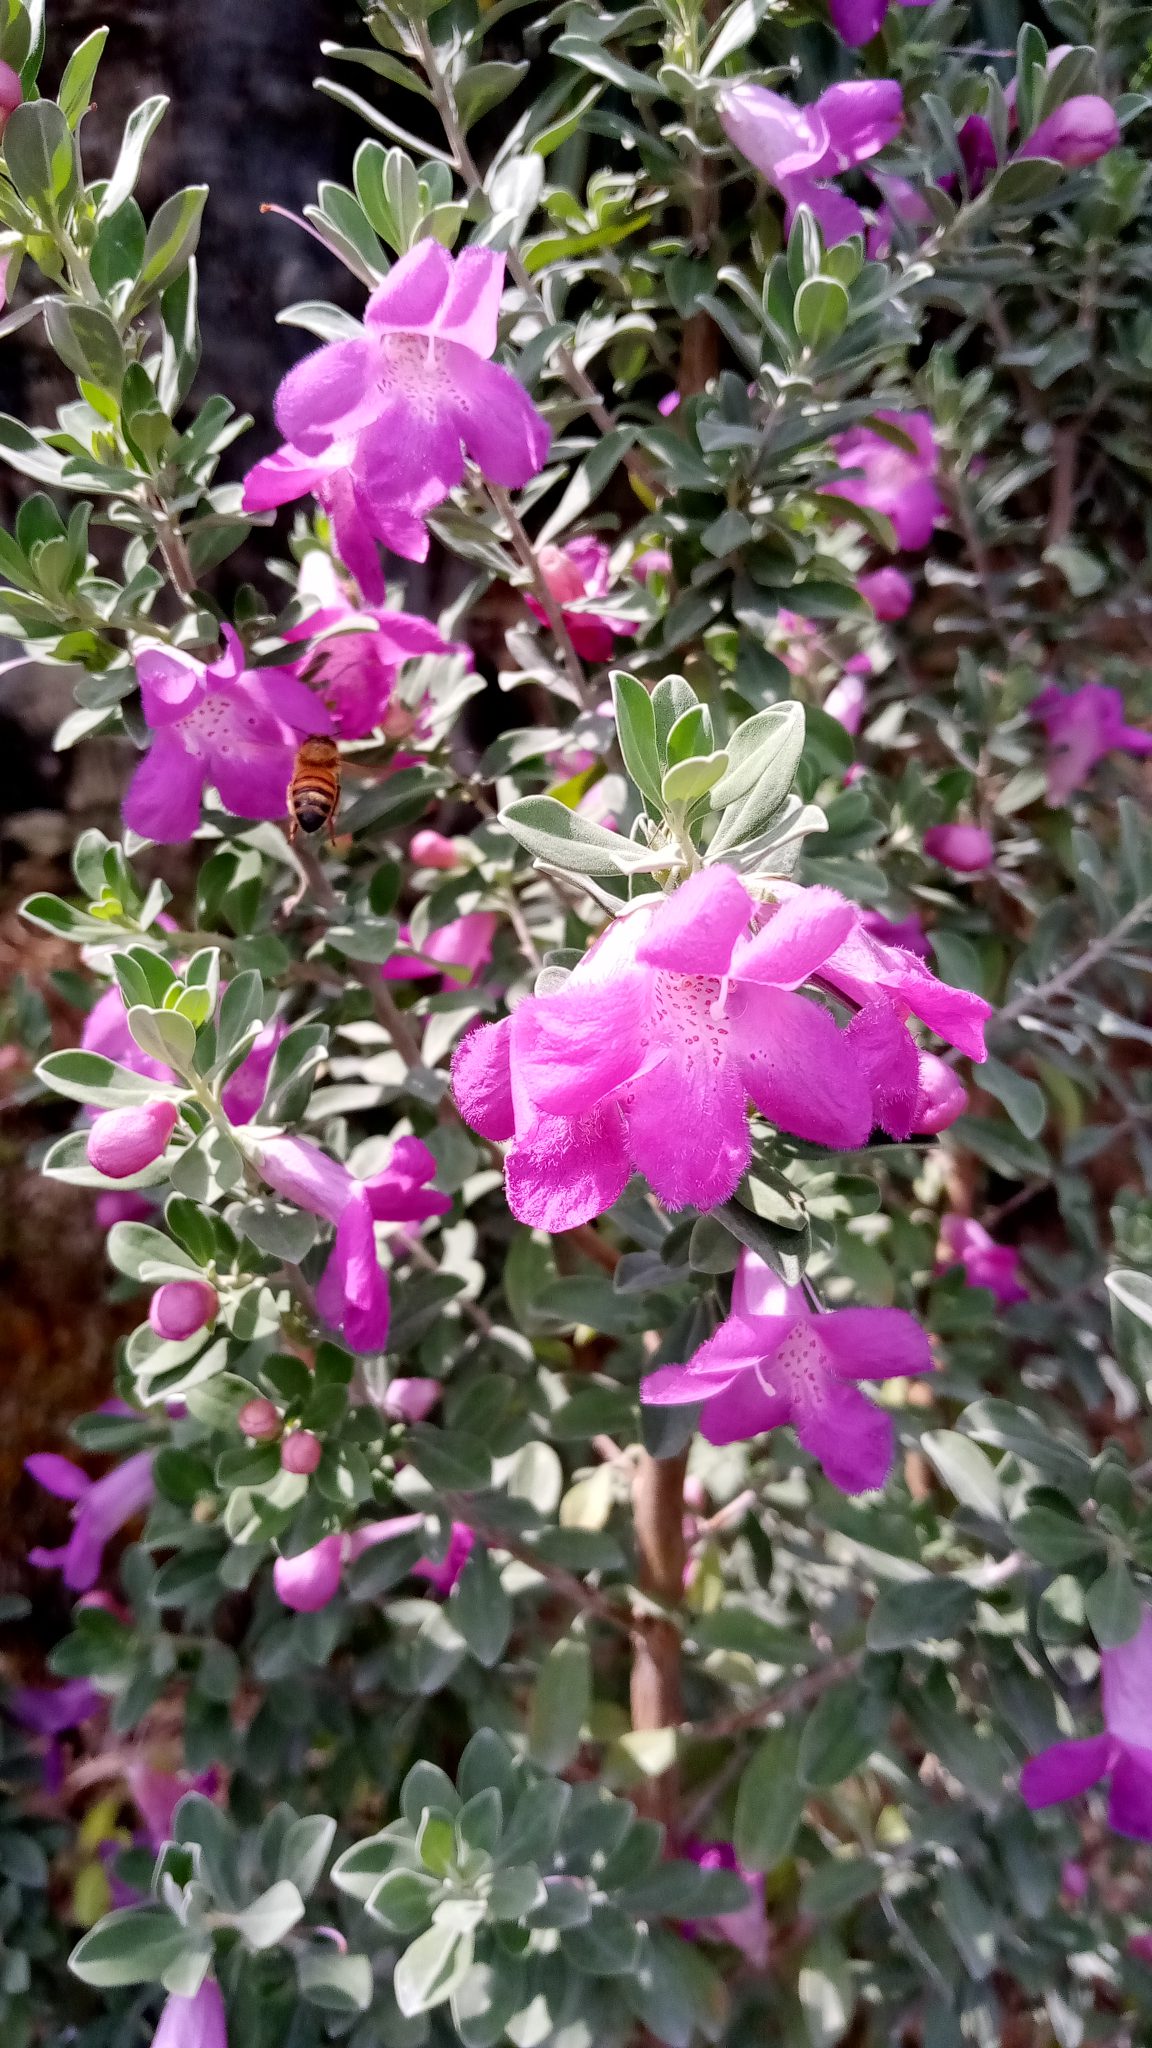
(181, 1307)
(432, 850)
(124, 1141)
(301, 1452)
(259, 1418)
(11, 93)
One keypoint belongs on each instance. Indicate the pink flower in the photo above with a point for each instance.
(106, 1031)
(122, 1208)
(747, 1928)
(243, 1091)
(11, 93)
(353, 1292)
(675, 1003)
(301, 1453)
(857, 21)
(378, 424)
(197, 2022)
(1075, 134)
(899, 482)
(223, 724)
(888, 591)
(443, 1576)
(53, 1709)
(845, 702)
(577, 575)
(432, 850)
(410, 1400)
(124, 1141)
(669, 404)
(773, 1361)
(941, 1097)
(308, 1582)
(259, 1418)
(464, 943)
(797, 147)
(181, 1307)
(157, 1794)
(358, 650)
(652, 562)
(1123, 1753)
(909, 932)
(102, 1508)
(1082, 726)
(985, 1263)
(966, 849)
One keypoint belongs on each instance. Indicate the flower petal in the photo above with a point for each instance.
(797, 939)
(888, 1058)
(327, 389)
(798, 1068)
(472, 308)
(482, 1080)
(742, 1410)
(851, 1438)
(1064, 1770)
(573, 1048)
(496, 419)
(310, 1581)
(562, 1171)
(688, 1122)
(874, 1343)
(58, 1475)
(1126, 1686)
(162, 801)
(1130, 1804)
(694, 930)
(415, 289)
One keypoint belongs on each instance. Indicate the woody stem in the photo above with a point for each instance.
(658, 1515)
(528, 557)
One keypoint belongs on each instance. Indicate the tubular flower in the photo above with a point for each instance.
(747, 1929)
(197, 2022)
(986, 1263)
(353, 1292)
(1075, 134)
(1082, 726)
(798, 148)
(124, 1141)
(378, 424)
(1123, 1753)
(899, 482)
(773, 1361)
(966, 849)
(102, 1508)
(308, 1582)
(676, 1002)
(577, 575)
(357, 652)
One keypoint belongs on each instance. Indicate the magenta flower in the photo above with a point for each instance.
(1075, 134)
(773, 1361)
(868, 971)
(53, 1709)
(102, 1508)
(746, 1929)
(652, 562)
(11, 93)
(181, 1307)
(899, 482)
(888, 591)
(798, 148)
(410, 1400)
(357, 652)
(465, 943)
(433, 850)
(909, 932)
(941, 1098)
(308, 1582)
(443, 1576)
(378, 424)
(1123, 1753)
(985, 1263)
(353, 1293)
(197, 2022)
(124, 1141)
(243, 1091)
(966, 849)
(577, 575)
(235, 728)
(669, 404)
(675, 1002)
(847, 699)
(1082, 726)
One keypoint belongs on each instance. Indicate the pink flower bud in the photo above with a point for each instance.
(888, 591)
(1078, 133)
(845, 703)
(259, 1418)
(410, 1400)
(966, 849)
(432, 850)
(942, 1097)
(653, 562)
(181, 1307)
(11, 93)
(125, 1141)
(301, 1452)
(667, 405)
(560, 573)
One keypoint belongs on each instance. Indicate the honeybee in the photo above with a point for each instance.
(314, 791)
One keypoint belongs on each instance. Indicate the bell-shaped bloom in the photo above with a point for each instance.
(966, 849)
(1082, 726)
(181, 1307)
(124, 1141)
(645, 1060)
(410, 1400)
(379, 422)
(773, 1361)
(353, 1292)
(799, 148)
(433, 850)
(746, 1929)
(888, 591)
(308, 1582)
(53, 1709)
(1122, 1754)
(102, 1507)
(197, 2022)
(899, 482)
(942, 1097)
(223, 724)
(1075, 134)
(577, 575)
(358, 651)
(847, 699)
(463, 945)
(986, 1264)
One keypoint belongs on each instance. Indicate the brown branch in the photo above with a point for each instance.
(800, 1693)
(658, 1514)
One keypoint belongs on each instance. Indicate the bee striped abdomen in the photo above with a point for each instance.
(314, 791)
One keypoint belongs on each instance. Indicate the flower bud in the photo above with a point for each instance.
(652, 562)
(181, 1307)
(11, 93)
(125, 1141)
(259, 1418)
(1078, 133)
(301, 1452)
(410, 1400)
(966, 849)
(942, 1097)
(888, 591)
(560, 573)
(432, 850)
(846, 701)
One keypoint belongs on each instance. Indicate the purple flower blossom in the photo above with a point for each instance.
(197, 2022)
(308, 1582)
(1082, 726)
(102, 1507)
(675, 1001)
(985, 1263)
(909, 932)
(899, 482)
(652, 562)
(888, 591)
(1075, 134)
(773, 1361)
(378, 424)
(870, 972)
(235, 728)
(577, 575)
(464, 943)
(243, 1091)
(181, 1307)
(410, 1400)
(847, 699)
(433, 850)
(52, 1709)
(966, 849)
(357, 652)
(353, 1292)
(798, 148)
(124, 1141)
(857, 21)
(1123, 1753)
(747, 1929)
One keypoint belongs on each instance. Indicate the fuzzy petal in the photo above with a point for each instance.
(482, 1080)
(742, 1410)
(58, 1475)
(564, 1170)
(797, 939)
(415, 291)
(353, 1293)
(497, 421)
(1130, 1804)
(798, 1068)
(472, 309)
(326, 389)
(162, 801)
(1126, 1686)
(694, 930)
(851, 1438)
(886, 1051)
(874, 1343)
(1064, 1770)
(574, 1048)
(688, 1122)
(281, 478)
